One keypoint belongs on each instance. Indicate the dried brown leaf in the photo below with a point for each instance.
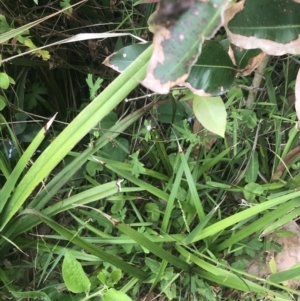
(287, 160)
(297, 95)
(252, 64)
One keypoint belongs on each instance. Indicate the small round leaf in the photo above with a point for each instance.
(4, 80)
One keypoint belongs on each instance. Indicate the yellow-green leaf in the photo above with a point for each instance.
(74, 277)
(211, 113)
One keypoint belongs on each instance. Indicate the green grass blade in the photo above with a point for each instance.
(224, 277)
(152, 247)
(171, 199)
(91, 248)
(140, 183)
(259, 225)
(195, 200)
(245, 214)
(80, 126)
(10, 184)
(14, 32)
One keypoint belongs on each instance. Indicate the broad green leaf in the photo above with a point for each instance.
(211, 113)
(273, 26)
(213, 73)
(177, 44)
(92, 167)
(115, 276)
(30, 132)
(117, 149)
(154, 211)
(249, 118)
(252, 190)
(114, 295)
(108, 121)
(3, 102)
(4, 80)
(121, 59)
(152, 265)
(74, 277)
(4, 26)
(20, 126)
(102, 276)
(170, 112)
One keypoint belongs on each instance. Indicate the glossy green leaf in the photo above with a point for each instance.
(273, 26)
(177, 45)
(74, 277)
(170, 112)
(275, 20)
(211, 113)
(213, 73)
(121, 59)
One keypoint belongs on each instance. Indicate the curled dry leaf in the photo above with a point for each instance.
(252, 64)
(286, 162)
(290, 252)
(297, 95)
(231, 55)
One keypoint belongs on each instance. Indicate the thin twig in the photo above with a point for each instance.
(257, 81)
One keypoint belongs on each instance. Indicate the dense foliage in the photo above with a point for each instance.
(176, 179)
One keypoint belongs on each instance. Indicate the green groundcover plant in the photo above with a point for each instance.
(140, 205)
